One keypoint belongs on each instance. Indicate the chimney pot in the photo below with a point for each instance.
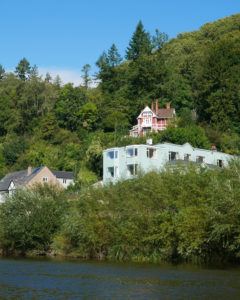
(156, 106)
(168, 105)
(213, 148)
(149, 141)
(152, 107)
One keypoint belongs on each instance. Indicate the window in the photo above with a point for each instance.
(220, 163)
(112, 154)
(151, 152)
(187, 157)
(132, 169)
(111, 171)
(200, 159)
(64, 180)
(173, 155)
(132, 152)
(146, 114)
(45, 179)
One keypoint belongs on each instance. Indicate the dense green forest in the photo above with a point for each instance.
(43, 122)
(192, 216)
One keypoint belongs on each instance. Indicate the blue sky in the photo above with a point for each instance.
(61, 36)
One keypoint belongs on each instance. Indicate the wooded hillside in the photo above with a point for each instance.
(43, 122)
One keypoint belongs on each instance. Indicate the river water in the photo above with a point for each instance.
(56, 279)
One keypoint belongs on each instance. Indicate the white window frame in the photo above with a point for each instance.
(170, 157)
(154, 152)
(135, 169)
(111, 174)
(134, 150)
(220, 165)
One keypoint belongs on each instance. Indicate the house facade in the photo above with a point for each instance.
(32, 177)
(153, 119)
(126, 162)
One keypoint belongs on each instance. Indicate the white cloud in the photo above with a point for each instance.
(66, 75)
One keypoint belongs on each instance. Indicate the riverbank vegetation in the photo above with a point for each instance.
(177, 215)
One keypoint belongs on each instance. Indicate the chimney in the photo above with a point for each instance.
(156, 106)
(168, 105)
(213, 147)
(149, 141)
(152, 107)
(29, 170)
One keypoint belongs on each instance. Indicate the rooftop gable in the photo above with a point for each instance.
(18, 178)
(147, 109)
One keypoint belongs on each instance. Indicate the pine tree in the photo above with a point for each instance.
(34, 72)
(57, 81)
(2, 72)
(23, 69)
(48, 78)
(140, 43)
(114, 58)
(103, 62)
(86, 77)
(159, 39)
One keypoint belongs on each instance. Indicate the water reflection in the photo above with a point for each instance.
(53, 279)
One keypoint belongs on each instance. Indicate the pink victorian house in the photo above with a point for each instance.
(153, 120)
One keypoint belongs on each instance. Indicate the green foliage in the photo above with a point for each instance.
(140, 43)
(13, 147)
(43, 121)
(176, 215)
(68, 106)
(23, 69)
(2, 72)
(86, 78)
(86, 177)
(29, 219)
(114, 58)
(194, 135)
(219, 83)
(179, 214)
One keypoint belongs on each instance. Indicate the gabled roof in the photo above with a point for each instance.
(165, 113)
(63, 174)
(162, 113)
(146, 109)
(18, 178)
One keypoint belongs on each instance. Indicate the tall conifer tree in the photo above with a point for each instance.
(140, 43)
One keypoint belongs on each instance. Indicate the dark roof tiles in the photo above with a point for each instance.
(63, 174)
(165, 113)
(21, 177)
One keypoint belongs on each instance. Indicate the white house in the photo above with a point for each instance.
(125, 162)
